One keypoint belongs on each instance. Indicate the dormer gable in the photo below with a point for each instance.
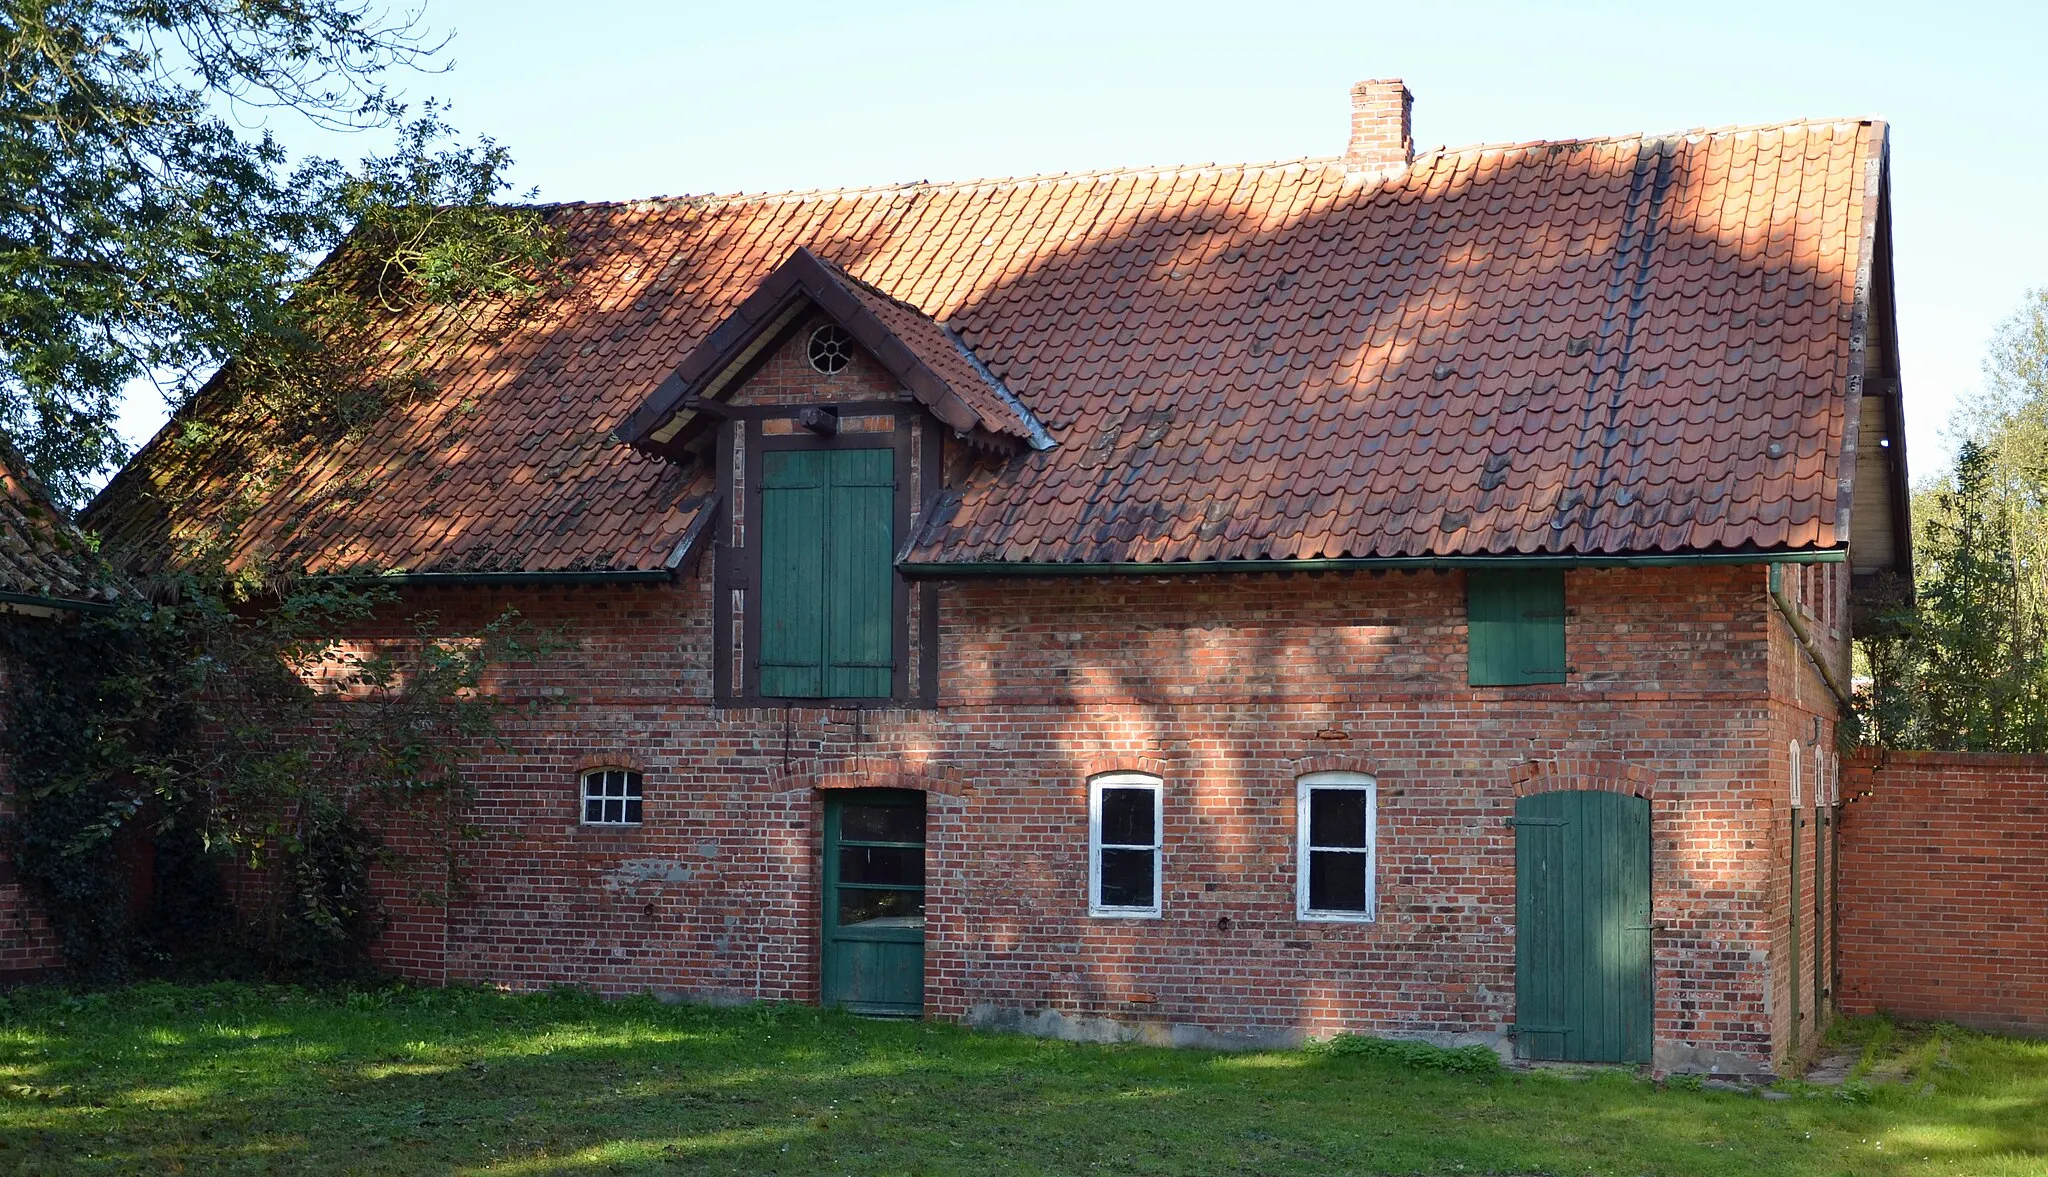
(837, 313)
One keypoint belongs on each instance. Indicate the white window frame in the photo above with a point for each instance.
(584, 798)
(1352, 781)
(1126, 780)
(1797, 761)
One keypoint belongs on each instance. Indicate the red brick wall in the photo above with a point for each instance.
(28, 945)
(1943, 860)
(1803, 713)
(1228, 688)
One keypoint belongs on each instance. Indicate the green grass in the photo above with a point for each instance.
(240, 1079)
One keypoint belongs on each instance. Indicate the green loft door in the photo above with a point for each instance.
(873, 942)
(1582, 935)
(828, 578)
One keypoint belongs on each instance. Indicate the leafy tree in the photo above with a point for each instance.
(1965, 668)
(143, 232)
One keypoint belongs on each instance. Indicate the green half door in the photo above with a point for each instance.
(828, 578)
(873, 942)
(1582, 927)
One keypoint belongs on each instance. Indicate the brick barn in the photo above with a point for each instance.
(1407, 592)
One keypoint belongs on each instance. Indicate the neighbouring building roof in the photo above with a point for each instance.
(1634, 345)
(43, 558)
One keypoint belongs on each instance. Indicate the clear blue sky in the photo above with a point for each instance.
(609, 99)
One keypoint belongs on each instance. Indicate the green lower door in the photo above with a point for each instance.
(873, 958)
(1582, 934)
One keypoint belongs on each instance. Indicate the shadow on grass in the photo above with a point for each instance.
(231, 1078)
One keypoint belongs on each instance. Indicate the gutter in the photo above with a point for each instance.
(917, 570)
(465, 579)
(1806, 641)
(67, 604)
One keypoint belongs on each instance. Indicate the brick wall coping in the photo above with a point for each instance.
(1878, 758)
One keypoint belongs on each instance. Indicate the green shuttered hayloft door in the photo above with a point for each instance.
(827, 577)
(1582, 935)
(1516, 627)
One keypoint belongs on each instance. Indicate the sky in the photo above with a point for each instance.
(609, 99)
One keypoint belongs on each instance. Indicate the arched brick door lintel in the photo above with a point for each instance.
(1604, 773)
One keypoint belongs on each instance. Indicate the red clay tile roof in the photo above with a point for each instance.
(1632, 345)
(41, 553)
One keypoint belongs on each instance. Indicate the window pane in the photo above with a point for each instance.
(882, 823)
(881, 909)
(1336, 817)
(614, 810)
(629, 783)
(881, 864)
(633, 810)
(1127, 817)
(1127, 878)
(593, 810)
(1336, 880)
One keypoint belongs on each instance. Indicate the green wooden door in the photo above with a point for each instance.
(827, 573)
(1582, 935)
(873, 942)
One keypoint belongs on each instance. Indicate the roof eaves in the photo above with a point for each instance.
(944, 570)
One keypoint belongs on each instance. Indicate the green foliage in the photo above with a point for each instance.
(218, 727)
(391, 1080)
(1963, 662)
(145, 231)
(1421, 1056)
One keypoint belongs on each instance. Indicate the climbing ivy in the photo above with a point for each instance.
(240, 749)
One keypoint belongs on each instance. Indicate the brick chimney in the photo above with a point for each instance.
(1382, 138)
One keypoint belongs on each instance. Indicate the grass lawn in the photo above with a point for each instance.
(230, 1078)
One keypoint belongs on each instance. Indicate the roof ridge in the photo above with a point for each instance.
(854, 192)
(1635, 136)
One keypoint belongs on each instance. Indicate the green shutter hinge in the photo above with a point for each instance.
(1537, 821)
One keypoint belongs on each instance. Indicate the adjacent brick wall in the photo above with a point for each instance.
(1944, 856)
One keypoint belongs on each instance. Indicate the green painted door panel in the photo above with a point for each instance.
(872, 958)
(827, 577)
(1582, 939)
(1514, 627)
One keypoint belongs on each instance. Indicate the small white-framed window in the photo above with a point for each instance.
(1124, 834)
(611, 797)
(1796, 762)
(1336, 846)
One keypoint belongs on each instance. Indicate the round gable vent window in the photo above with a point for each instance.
(831, 349)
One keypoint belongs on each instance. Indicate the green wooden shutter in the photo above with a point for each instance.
(795, 490)
(1516, 627)
(827, 576)
(860, 575)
